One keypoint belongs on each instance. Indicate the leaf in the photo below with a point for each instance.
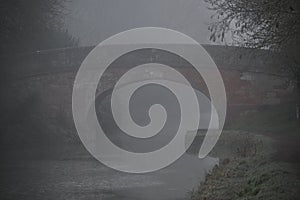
(213, 37)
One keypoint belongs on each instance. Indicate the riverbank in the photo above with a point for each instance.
(260, 163)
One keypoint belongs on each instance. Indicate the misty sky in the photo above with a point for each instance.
(92, 21)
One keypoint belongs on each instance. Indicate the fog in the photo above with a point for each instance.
(92, 21)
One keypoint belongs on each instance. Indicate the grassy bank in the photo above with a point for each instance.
(254, 162)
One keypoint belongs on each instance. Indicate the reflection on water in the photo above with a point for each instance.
(85, 178)
(89, 179)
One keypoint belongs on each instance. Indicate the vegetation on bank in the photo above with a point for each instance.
(255, 166)
(250, 174)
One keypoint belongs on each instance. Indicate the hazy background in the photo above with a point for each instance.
(92, 21)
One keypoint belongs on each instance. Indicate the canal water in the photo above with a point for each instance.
(83, 179)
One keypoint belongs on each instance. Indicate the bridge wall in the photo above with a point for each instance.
(37, 92)
(248, 75)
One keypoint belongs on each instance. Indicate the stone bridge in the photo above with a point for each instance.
(249, 75)
(37, 88)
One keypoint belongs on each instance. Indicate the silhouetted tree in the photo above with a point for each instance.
(269, 24)
(256, 23)
(33, 25)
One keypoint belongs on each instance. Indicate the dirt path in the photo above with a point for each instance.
(287, 149)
